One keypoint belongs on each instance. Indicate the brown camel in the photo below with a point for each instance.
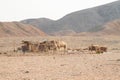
(30, 46)
(97, 48)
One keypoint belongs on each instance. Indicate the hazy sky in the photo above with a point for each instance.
(15, 10)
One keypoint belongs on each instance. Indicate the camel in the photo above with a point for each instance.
(103, 49)
(30, 46)
(25, 46)
(93, 47)
(61, 45)
(47, 45)
(52, 45)
(97, 48)
(44, 46)
(34, 47)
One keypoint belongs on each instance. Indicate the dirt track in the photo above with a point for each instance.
(61, 67)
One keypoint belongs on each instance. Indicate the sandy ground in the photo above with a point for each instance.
(61, 67)
(75, 66)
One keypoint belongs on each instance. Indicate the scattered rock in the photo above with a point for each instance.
(53, 57)
(118, 60)
(62, 64)
(5, 53)
(96, 67)
(26, 71)
(100, 65)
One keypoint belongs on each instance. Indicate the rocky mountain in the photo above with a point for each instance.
(88, 20)
(110, 28)
(17, 29)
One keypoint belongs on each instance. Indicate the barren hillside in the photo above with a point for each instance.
(17, 29)
(111, 28)
(88, 20)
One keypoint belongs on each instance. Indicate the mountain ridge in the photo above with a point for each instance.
(80, 21)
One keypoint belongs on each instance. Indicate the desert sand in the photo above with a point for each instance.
(61, 67)
(69, 66)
